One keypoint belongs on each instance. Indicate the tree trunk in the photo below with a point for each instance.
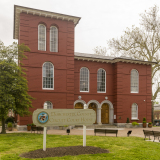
(3, 126)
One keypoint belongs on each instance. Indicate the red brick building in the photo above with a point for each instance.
(116, 88)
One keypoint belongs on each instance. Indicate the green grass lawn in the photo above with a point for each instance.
(121, 148)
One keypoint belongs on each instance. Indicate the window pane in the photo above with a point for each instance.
(134, 81)
(84, 79)
(134, 111)
(101, 80)
(41, 37)
(53, 39)
(49, 105)
(48, 75)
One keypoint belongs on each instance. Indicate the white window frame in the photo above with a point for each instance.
(80, 80)
(42, 77)
(134, 118)
(56, 50)
(132, 82)
(38, 37)
(45, 103)
(105, 81)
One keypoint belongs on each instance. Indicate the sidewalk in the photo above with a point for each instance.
(122, 132)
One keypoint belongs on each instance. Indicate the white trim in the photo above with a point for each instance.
(79, 101)
(105, 81)
(134, 119)
(53, 77)
(47, 88)
(80, 80)
(38, 37)
(94, 101)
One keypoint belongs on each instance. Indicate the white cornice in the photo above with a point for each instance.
(20, 9)
(114, 60)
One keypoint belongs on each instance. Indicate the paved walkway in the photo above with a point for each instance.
(122, 132)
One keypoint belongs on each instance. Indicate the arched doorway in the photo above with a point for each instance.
(94, 107)
(108, 110)
(105, 113)
(78, 105)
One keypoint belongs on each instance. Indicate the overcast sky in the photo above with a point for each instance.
(100, 21)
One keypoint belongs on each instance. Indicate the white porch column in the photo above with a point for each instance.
(111, 115)
(99, 116)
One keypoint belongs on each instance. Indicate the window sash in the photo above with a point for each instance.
(84, 79)
(134, 111)
(101, 80)
(42, 37)
(49, 105)
(134, 81)
(53, 39)
(48, 75)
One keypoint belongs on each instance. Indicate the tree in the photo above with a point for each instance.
(142, 43)
(13, 84)
(100, 51)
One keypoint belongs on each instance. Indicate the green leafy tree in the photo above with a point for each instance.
(13, 84)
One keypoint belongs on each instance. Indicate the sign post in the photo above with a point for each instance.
(60, 117)
(44, 132)
(84, 130)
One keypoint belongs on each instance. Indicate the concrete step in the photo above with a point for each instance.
(96, 126)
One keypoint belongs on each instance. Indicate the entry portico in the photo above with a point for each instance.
(104, 110)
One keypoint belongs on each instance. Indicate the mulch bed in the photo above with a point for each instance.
(63, 151)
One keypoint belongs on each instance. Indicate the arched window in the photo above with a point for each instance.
(48, 104)
(84, 79)
(48, 75)
(134, 111)
(134, 81)
(42, 37)
(101, 80)
(53, 39)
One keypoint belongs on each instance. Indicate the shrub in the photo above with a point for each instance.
(32, 124)
(135, 123)
(149, 122)
(144, 120)
(9, 124)
(29, 124)
(9, 119)
(127, 120)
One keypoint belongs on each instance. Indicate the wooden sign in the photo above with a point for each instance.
(61, 117)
